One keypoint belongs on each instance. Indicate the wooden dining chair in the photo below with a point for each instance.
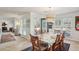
(59, 43)
(62, 41)
(56, 45)
(36, 44)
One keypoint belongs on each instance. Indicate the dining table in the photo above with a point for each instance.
(48, 38)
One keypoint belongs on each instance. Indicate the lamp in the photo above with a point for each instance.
(37, 30)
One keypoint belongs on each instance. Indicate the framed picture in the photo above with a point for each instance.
(77, 23)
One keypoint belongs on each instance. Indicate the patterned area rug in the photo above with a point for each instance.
(66, 47)
(7, 38)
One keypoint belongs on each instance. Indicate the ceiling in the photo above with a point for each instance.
(43, 10)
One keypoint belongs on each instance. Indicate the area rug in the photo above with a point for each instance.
(7, 38)
(66, 47)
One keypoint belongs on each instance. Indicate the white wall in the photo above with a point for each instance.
(70, 17)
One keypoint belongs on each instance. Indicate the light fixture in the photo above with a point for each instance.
(51, 15)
